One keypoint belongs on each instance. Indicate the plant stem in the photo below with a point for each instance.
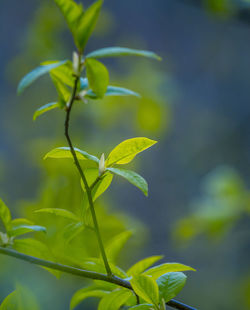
(87, 188)
(83, 273)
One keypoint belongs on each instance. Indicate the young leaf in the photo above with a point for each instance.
(45, 108)
(64, 73)
(114, 300)
(59, 212)
(146, 287)
(72, 12)
(87, 24)
(133, 177)
(116, 245)
(170, 284)
(5, 215)
(159, 270)
(62, 90)
(86, 292)
(98, 77)
(124, 152)
(71, 230)
(103, 184)
(142, 265)
(121, 51)
(24, 229)
(64, 152)
(114, 91)
(36, 73)
(143, 307)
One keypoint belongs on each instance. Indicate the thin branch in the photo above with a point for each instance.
(83, 177)
(83, 273)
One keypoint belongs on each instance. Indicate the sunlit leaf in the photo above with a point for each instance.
(64, 152)
(45, 108)
(146, 287)
(98, 77)
(35, 74)
(59, 212)
(62, 90)
(86, 24)
(170, 284)
(5, 215)
(133, 177)
(159, 270)
(143, 264)
(124, 152)
(121, 51)
(24, 229)
(64, 73)
(114, 300)
(114, 248)
(72, 230)
(86, 292)
(143, 307)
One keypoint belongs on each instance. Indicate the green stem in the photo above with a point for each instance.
(87, 188)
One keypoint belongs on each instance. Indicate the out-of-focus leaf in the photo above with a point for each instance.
(62, 90)
(114, 91)
(143, 307)
(64, 73)
(72, 230)
(24, 229)
(36, 73)
(86, 292)
(142, 265)
(64, 152)
(98, 77)
(5, 215)
(59, 212)
(124, 152)
(116, 245)
(22, 298)
(35, 248)
(45, 108)
(114, 300)
(159, 270)
(170, 284)
(86, 24)
(133, 177)
(146, 287)
(121, 51)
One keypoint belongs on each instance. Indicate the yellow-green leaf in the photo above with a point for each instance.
(143, 264)
(59, 212)
(146, 287)
(45, 108)
(114, 300)
(116, 245)
(159, 270)
(98, 77)
(5, 215)
(124, 152)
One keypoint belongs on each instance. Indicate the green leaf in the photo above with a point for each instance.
(170, 284)
(86, 292)
(72, 13)
(35, 248)
(133, 177)
(45, 108)
(62, 90)
(98, 77)
(159, 270)
(64, 152)
(24, 229)
(5, 215)
(143, 307)
(114, 300)
(71, 230)
(142, 265)
(146, 287)
(86, 24)
(116, 245)
(20, 221)
(59, 212)
(124, 152)
(35, 74)
(22, 298)
(64, 73)
(121, 51)
(114, 91)
(91, 175)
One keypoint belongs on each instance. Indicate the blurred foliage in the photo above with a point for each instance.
(224, 202)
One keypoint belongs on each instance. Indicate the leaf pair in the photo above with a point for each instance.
(122, 154)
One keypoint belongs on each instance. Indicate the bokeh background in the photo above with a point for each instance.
(195, 103)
